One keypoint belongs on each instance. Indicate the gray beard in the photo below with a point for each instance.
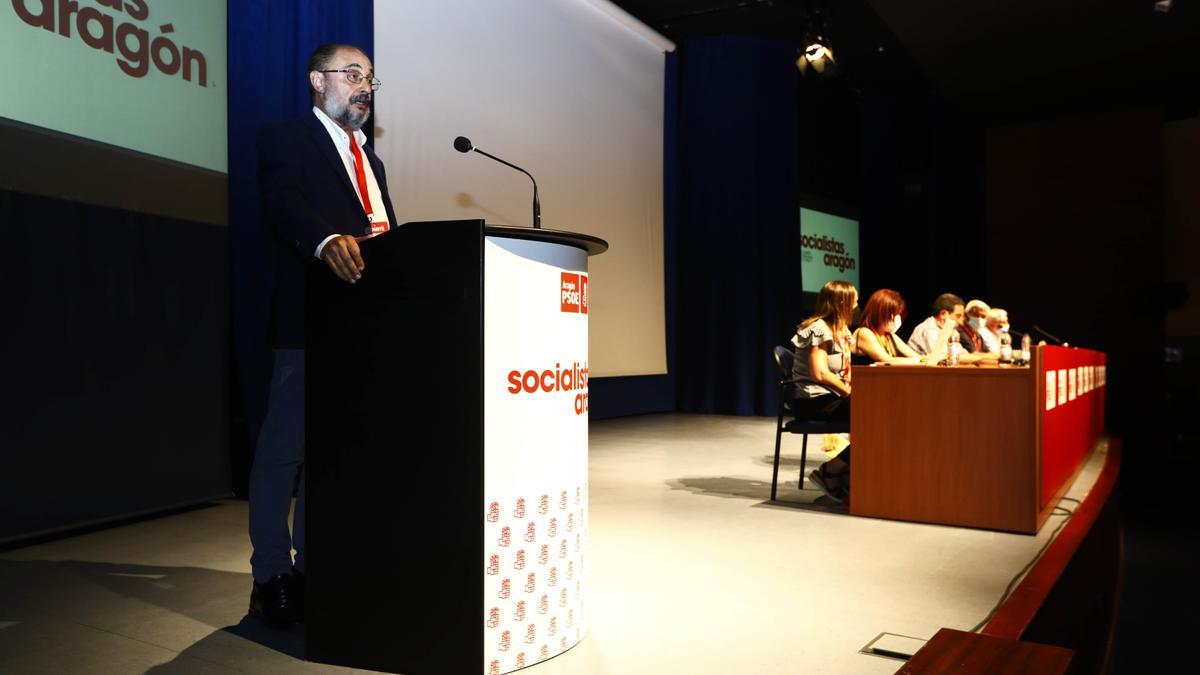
(341, 113)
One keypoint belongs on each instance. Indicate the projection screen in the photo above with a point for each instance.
(570, 90)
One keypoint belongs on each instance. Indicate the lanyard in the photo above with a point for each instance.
(360, 175)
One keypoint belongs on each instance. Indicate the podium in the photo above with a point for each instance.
(446, 458)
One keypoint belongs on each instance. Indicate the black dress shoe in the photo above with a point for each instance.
(276, 602)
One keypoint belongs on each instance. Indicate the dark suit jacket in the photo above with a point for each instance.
(306, 196)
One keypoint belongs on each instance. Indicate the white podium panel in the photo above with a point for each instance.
(535, 451)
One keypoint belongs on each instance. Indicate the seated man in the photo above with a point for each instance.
(974, 329)
(947, 307)
(970, 335)
(997, 324)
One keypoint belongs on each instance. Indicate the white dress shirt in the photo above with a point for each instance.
(341, 140)
(925, 335)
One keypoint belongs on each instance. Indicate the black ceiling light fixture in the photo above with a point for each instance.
(816, 49)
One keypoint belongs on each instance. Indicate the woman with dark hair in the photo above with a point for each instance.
(821, 370)
(878, 339)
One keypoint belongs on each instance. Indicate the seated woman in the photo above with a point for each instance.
(877, 339)
(822, 372)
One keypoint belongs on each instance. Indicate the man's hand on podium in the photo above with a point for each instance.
(343, 257)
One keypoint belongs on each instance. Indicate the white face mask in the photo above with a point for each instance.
(895, 324)
(1003, 328)
(976, 323)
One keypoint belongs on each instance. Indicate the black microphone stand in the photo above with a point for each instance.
(462, 144)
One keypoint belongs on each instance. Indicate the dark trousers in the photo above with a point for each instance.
(278, 464)
(827, 407)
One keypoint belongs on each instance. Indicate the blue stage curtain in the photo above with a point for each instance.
(738, 243)
(269, 45)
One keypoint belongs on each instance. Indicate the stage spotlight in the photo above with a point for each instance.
(818, 55)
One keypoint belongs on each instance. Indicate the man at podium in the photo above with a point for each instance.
(322, 189)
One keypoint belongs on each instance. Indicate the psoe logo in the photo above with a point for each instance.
(109, 32)
(573, 293)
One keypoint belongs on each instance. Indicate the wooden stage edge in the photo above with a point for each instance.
(1018, 611)
(1001, 647)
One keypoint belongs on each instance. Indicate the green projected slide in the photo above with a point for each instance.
(147, 75)
(828, 249)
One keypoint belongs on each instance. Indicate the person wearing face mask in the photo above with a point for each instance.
(821, 368)
(997, 324)
(970, 335)
(877, 338)
(947, 312)
(971, 329)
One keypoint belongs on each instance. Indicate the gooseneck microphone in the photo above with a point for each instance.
(463, 144)
(1053, 338)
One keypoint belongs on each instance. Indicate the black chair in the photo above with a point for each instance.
(783, 359)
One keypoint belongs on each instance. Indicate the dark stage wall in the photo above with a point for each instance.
(1076, 244)
(114, 397)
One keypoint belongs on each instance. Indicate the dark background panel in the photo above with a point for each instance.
(114, 399)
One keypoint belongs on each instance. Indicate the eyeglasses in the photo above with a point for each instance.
(355, 77)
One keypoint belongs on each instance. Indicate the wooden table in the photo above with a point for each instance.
(975, 446)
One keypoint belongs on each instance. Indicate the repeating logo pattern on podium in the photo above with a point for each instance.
(534, 576)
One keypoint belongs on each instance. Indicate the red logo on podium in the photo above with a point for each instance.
(570, 294)
(583, 294)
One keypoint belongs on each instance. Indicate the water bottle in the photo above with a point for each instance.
(1025, 349)
(953, 349)
(1006, 355)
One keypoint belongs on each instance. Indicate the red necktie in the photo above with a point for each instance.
(361, 176)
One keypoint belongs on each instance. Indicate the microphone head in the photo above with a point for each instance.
(463, 144)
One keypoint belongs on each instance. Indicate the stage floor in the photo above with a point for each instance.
(692, 571)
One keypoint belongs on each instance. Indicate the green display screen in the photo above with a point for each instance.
(145, 76)
(828, 249)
